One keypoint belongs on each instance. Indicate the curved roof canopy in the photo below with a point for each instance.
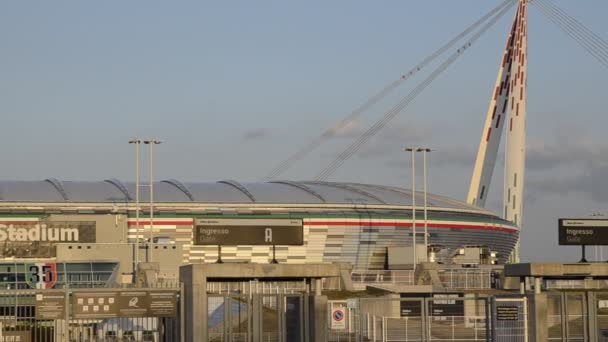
(225, 191)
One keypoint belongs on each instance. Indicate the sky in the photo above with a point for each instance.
(234, 87)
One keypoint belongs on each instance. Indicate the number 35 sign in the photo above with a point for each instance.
(41, 275)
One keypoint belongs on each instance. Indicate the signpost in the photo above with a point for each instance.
(235, 232)
(583, 232)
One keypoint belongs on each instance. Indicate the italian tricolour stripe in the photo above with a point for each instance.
(407, 223)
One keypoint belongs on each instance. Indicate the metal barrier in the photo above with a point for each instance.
(56, 315)
(568, 316)
(267, 287)
(450, 278)
(269, 318)
(510, 319)
(362, 278)
(444, 317)
(466, 279)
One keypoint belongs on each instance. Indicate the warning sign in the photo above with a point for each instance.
(338, 316)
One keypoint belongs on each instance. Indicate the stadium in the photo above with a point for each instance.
(94, 223)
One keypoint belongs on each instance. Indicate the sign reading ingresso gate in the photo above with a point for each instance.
(233, 232)
(583, 231)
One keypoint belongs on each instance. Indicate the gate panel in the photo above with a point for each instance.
(554, 317)
(456, 318)
(576, 317)
(601, 306)
(271, 318)
(510, 319)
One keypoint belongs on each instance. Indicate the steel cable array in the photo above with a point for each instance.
(313, 144)
(391, 114)
(590, 41)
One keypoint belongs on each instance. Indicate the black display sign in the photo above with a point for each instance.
(447, 304)
(507, 313)
(234, 232)
(116, 304)
(583, 232)
(410, 308)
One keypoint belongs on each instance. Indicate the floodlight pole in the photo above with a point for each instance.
(413, 151)
(426, 233)
(151, 142)
(136, 142)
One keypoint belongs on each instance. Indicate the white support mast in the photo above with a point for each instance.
(515, 151)
(507, 107)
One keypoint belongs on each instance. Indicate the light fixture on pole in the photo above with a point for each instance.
(413, 151)
(424, 151)
(136, 142)
(151, 142)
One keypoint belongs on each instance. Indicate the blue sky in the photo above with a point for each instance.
(234, 87)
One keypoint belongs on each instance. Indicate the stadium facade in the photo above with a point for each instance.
(69, 221)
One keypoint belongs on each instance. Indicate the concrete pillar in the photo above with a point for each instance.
(538, 317)
(537, 284)
(317, 316)
(522, 285)
(592, 315)
(318, 287)
(195, 302)
(256, 319)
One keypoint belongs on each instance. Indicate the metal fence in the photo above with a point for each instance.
(362, 278)
(269, 287)
(48, 315)
(466, 279)
(567, 316)
(443, 317)
(270, 318)
(450, 278)
(510, 319)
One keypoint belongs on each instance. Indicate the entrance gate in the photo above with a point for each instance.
(256, 317)
(443, 317)
(510, 319)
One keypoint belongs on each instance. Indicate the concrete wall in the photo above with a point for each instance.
(109, 228)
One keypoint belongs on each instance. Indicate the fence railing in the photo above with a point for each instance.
(101, 314)
(450, 278)
(466, 279)
(362, 278)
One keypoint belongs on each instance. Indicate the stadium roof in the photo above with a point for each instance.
(226, 191)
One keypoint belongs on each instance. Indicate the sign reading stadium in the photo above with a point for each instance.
(48, 232)
(234, 232)
(39, 239)
(583, 232)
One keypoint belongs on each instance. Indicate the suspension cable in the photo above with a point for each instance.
(595, 37)
(391, 114)
(584, 37)
(313, 144)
